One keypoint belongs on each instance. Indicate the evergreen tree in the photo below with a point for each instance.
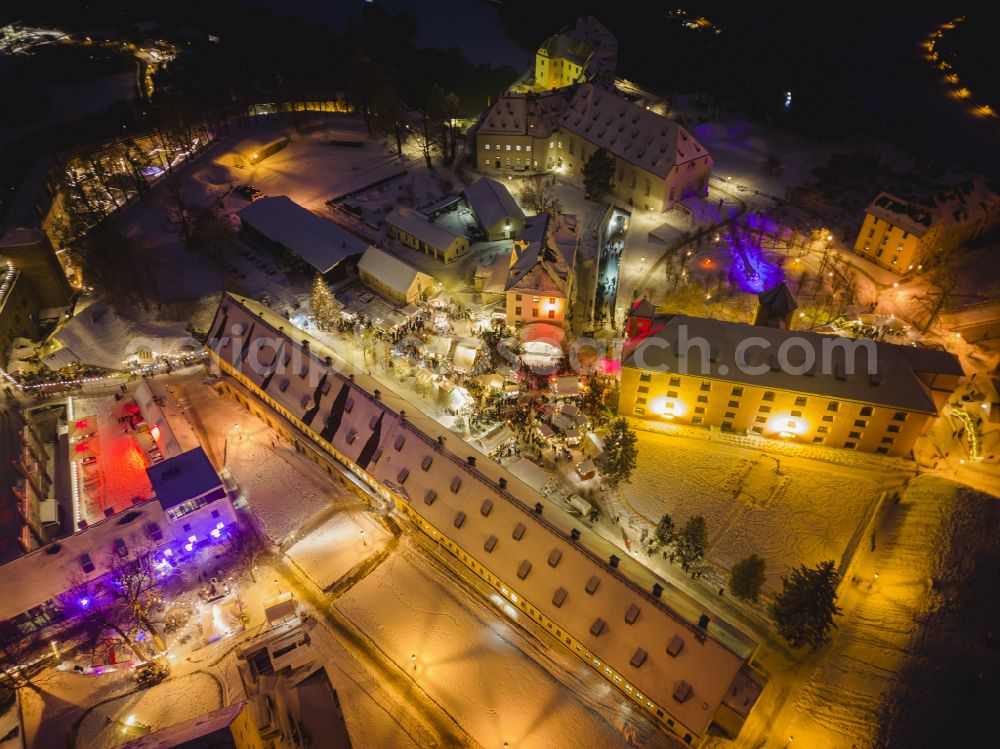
(804, 610)
(665, 530)
(323, 305)
(692, 541)
(747, 578)
(617, 461)
(598, 173)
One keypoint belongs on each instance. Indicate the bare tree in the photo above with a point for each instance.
(179, 211)
(538, 196)
(16, 648)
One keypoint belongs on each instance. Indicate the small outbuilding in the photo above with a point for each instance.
(392, 278)
(495, 209)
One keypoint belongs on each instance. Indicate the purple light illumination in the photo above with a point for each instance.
(752, 271)
(84, 602)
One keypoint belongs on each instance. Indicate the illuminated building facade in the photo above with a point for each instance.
(904, 233)
(540, 280)
(578, 52)
(610, 613)
(657, 161)
(691, 370)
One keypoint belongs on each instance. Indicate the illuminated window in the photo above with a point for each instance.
(508, 147)
(534, 298)
(486, 147)
(517, 148)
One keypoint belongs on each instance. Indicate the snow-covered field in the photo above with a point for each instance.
(805, 515)
(166, 704)
(467, 659)
(337, 546)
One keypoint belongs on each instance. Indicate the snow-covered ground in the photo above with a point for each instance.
(166, 704)
(805, 515)
(469, 660)
(333, 549)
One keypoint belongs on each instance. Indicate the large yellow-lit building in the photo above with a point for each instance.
(579, 52)
(902, 234)
(744, 378)
(609, 612)
(657, 161)
(540, 280)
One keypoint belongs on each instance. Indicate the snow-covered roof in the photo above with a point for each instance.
(318, 241)
(537, 115)
(492, 202)
(959, 200)
(418, 225)
(544, 255)
(896, 384)
(195, 732)
(586, 42)
(635, 134)
(419, 459)
(391, 271)
(160, 409)
(601, 116)
(51, 570)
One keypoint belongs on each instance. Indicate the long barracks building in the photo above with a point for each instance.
(612, 614)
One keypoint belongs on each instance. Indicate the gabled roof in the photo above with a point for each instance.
(537, 115)
(543, 258)
(916, 208)
(846, 377)
(421, 460)
(778, 300)
(491, 202)
(637, 135)
(418, 225)
(390, 270)
(642, 308)
(318, 241)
